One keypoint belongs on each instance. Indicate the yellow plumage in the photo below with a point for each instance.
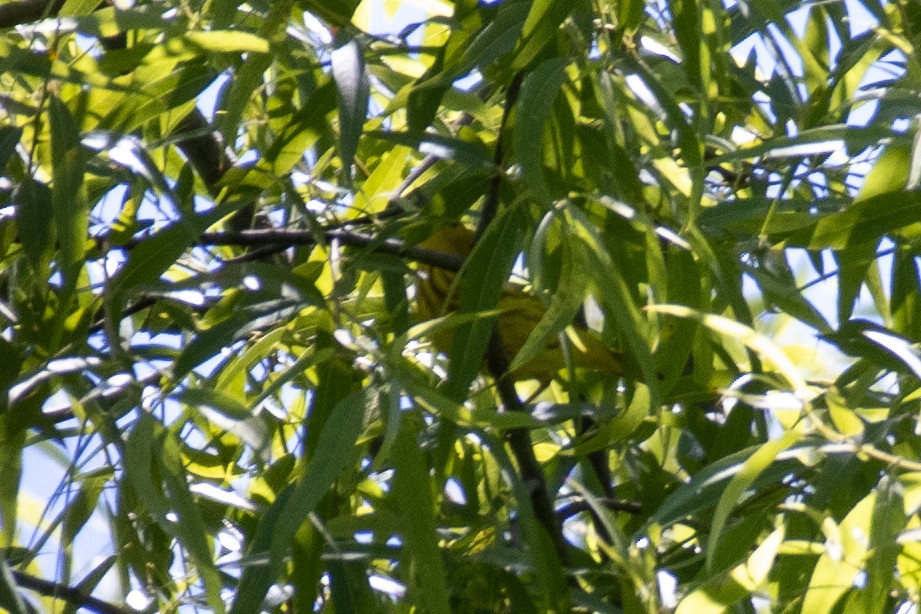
(519, 313)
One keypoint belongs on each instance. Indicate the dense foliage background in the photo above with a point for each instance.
(216, 396)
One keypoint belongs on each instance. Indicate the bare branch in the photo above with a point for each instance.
(66, 593)
(14, 14)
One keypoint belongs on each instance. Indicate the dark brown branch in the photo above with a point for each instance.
(491, 204)
(271, 241)
(200, 144)
(616, 505)
(14, 14)
(519, 440)
(66, 593)
(290, 238)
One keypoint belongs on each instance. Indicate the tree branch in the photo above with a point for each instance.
(289, 238)
(202, 147)
(617, 505)
(14, 14)
(519, 440)
(66, 593)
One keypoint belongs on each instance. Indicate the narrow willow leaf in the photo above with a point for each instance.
(350, 591)
(611, 290)
(9, 138)
(888, 521)
(228, 41)
(335, 449)
(496, 39)
(542, 557)
(440, 146)
(12, 442)
(348, 68)
(486, 271)
(842, 560)
(866, 222)
(412, 493)
(560, 313)
(154, 255)
(34, 218)
(10, 365)
(337, 12)
(230, 415)
(10, 600)
(539, 29)
(732, 496)
(538, 91)
(190, 528)
(75, 8)
(751, 339)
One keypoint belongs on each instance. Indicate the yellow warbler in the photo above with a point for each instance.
(519, 313)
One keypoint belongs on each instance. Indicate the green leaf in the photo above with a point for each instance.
(251, 313)
(334, 451)
(74, 8)
(540, 556)
(703, 489)
(621, 427)
(12, 442)
(689, 35)
(486, 272)
(412, 491)
(11, 361)
(814, 141)
(82, 506)
(190, 528)
(610, 288)
(691, 149)
(10, 600)
(867, 221)
(230, 415)
(539, 29)
(440, 146)
(889, 174)
(538, 91)
(238, 95)
(154, 255)
(495, 40)
(423, 101)
(843, 558)
(888, 521)
(228, 41)
(109, 21)
(9, 138)
(754, 465)
(68, 160)
(561, 311)
(171, 495)
(349, 588)
(34, 218)
(348, 68)
(337, 12)
(630, 14)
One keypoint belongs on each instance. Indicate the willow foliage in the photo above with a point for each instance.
(216, 393)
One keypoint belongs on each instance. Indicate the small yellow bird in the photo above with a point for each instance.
(519, 313)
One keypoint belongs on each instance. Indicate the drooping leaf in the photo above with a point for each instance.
(352, 84)
(334, 450)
